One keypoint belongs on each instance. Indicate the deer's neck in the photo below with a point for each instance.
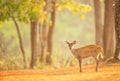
(74, 52)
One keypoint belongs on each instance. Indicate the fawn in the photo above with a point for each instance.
(90, 50)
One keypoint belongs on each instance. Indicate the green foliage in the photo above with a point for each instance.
(74, 7)
(23, 10)
(12, 8)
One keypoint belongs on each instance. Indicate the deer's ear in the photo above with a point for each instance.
(67, 42)
(74, 42)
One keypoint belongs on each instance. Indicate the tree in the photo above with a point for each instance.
(98, 22)
(44, 31)
(20, 42)
(9, 10)
(35, 16)
(117, 28)
(108, 34)
(50, 32)
(34, 42)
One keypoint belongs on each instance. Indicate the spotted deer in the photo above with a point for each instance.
(95, 51)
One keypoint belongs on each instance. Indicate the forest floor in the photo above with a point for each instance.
(109, 72)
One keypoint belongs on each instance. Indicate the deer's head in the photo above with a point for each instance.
(70, 44)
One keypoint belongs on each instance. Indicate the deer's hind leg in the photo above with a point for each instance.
(97, 63)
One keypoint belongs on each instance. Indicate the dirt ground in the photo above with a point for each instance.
(109, 72)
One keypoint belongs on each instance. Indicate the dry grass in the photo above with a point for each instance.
(105, 73)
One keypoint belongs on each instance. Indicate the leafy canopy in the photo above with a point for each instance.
(24, 10)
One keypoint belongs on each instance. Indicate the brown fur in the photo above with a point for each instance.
(83, 52)
(87, 51)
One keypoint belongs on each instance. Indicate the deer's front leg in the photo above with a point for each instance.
(80, 62)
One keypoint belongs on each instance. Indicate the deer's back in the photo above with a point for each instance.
(87, 51)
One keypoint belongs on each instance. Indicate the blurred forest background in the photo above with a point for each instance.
(33, 32)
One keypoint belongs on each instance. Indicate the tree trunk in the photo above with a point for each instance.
(43, 41)
(34, 42)
(108, 29)
(117, 28)
(20, 41)
(98, 22)
(44, 34)
(50, 33)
